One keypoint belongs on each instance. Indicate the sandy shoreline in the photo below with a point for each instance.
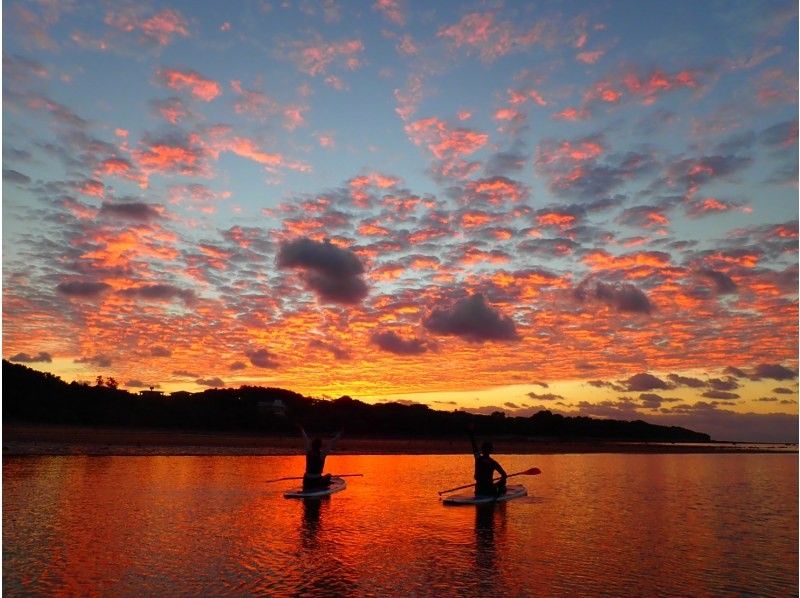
(21, 440)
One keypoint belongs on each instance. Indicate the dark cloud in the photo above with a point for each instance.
(160, 351)
(338, 352)
(651, 400)
(85, 289)
(136, 383)
(505, 162)
(622, 297)
(686, 381)
(237, 365)
(773, 372)
(41, 357)
(729, 383)
(102, 361)
(138, 211)
(645, 216)
(160, 292)
(782, 390)
(548, 248)
(332, 272)
(185, 374)
(17, 178)
(473, 320)
(262, 358)
(210, 382)
(734, 371)
(393, 343)
(644, 381)
(545, 397)
(720, 394)
(723, 283)
(782, 135)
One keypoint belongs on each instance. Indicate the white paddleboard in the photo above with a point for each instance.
(468, 498)
(337, 485)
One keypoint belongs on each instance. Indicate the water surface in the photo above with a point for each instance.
(604, 524)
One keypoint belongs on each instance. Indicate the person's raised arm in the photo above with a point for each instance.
(470, 430)
(306, 439)
(332, 444)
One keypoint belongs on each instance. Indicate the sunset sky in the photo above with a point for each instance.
(587, 207)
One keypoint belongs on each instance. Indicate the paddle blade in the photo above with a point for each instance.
(533, 471)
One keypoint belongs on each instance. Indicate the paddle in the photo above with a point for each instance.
(531, 471)
(335, 475)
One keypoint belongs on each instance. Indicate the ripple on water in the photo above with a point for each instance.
(622, 525)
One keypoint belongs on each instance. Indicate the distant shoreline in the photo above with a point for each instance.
(43, 440)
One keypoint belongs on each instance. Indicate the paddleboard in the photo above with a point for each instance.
(468, 498)
(337, 485)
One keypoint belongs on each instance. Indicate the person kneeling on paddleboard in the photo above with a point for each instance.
(485, 467)
(315, 461)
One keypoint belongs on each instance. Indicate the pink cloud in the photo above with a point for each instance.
(646, 87)
(551, 152)
(199, 86)
(293, 117)
(160, 28)
(392, 10)
(220, 139)
(711, 205)
(314, 58)
(326, 140)
(252, 103)
(171, 157)
(590, 57)
(508, 114)
(571, 114)
(172, 110)
(492, 39)
(409, 98)
(376, 179)
(164, 25)
(443, 141)
(480, 32)
(407, 46)
(91, 188)
(494, 190)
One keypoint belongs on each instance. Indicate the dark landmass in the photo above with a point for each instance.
(41, 407)
(42, 439)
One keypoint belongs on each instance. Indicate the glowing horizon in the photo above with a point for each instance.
(592, 211)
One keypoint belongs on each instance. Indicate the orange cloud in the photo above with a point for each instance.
(571, 114)
(199, 86)
(556, 219)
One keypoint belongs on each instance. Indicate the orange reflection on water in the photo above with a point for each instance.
(593, 524)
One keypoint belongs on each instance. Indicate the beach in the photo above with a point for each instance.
(28, 439)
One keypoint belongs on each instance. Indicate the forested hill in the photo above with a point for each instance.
(36, 397)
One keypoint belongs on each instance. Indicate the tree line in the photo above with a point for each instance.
(31, 396)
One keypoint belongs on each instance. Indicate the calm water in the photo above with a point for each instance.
(617, 525)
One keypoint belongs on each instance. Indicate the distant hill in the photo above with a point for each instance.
(31, 396)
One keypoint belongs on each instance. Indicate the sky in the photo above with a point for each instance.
(586, 207)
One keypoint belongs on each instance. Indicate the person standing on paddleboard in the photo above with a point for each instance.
(485, 466)
(315, 461)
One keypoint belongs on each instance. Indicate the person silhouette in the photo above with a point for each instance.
(485, 466)
(313, 478)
